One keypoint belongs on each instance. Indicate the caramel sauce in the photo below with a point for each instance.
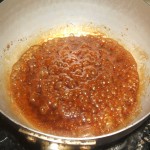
(76, 86)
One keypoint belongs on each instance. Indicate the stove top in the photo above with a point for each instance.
(11, 139)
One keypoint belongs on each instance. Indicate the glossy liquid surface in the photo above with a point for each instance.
(76, 86)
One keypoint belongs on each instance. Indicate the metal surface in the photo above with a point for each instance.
(54, 146)
(147, 1)
(20, 21)
(57, 140)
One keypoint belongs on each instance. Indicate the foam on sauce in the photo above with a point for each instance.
(76, 86)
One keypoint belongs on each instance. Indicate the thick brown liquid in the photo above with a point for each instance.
(76, 86)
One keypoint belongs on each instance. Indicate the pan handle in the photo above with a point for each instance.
(53, 146)
(50, 143)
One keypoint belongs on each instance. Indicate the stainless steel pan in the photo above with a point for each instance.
(22, 21)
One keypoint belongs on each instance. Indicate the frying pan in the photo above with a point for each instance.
(23, 23)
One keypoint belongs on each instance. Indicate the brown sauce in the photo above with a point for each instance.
(76, 86)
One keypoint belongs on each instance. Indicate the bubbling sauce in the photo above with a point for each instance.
(76, 86)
